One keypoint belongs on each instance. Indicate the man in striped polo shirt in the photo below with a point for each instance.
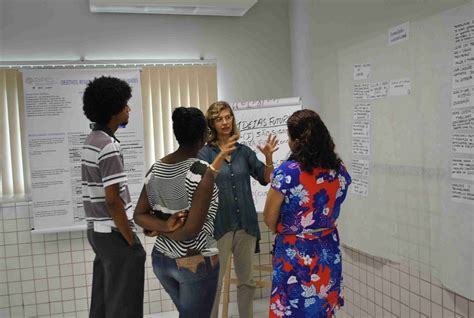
(119, 264)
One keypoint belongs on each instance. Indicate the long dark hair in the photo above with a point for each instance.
(312, 146)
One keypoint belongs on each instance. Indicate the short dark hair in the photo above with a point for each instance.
(189, 125)
(314, 147)
(105, 97)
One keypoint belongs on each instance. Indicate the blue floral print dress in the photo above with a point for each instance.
(307, 265)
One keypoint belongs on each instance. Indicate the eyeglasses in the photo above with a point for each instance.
(222, 119)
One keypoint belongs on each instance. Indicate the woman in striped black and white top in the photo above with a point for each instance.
(185, 261)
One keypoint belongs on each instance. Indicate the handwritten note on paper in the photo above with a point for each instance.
(256, 120)
(360, 167)
(361, 146)
(361, 71)
(464, 53)
(400, 87)
(360, 186)
(378, 90)
(463, 97)
(463, 76)
(463, 143)
(361, 91)
(462, 168)
(462, 192)
(361, 111)
(399, 33)
(463, 118)
(464, 31)
(361, 128)
(255, 130)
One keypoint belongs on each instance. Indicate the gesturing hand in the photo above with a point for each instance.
(270, 146)
(227, 148)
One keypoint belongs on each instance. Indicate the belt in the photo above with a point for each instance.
(311, 234)
(192, 262)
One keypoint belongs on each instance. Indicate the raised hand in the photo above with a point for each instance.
(225, 152)
(227, 148)
(270, 147)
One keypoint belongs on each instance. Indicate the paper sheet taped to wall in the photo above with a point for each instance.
(462, 192)
(360, 167)
(463, 143)
(462, 168)
(361, 71)
(360, 186)
(400, 87)
(360, 146)
(361, 111)
(463, 97)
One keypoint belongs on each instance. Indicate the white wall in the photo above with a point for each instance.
(301, 52)
(2, 18)
(337, 24)
(398, 289)
(252, 52)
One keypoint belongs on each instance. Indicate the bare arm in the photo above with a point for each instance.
(117, 212)
(268, 171)
(271, 212)
(143, 217)
(198, 210)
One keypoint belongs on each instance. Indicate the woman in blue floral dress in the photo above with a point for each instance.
(302, 207)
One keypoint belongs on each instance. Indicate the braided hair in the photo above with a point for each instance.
(189, 125)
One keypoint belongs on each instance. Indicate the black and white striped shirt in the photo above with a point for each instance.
(170, 189)
(101, 166)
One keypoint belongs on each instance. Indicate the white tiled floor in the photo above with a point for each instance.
(260, 309)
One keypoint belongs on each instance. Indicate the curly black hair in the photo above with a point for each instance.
(189, 126)
(104, 97)
(313, 146)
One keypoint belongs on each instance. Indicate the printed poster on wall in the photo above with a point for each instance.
(56, 130)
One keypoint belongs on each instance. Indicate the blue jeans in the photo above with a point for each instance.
(190, 281)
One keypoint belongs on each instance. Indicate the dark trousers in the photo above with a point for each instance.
(190, 281)
(118, 276)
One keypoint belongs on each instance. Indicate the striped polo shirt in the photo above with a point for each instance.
(170, 189)
(102, 165)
